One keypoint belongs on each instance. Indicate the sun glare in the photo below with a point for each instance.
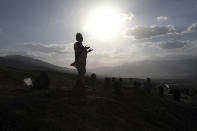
(104, 23)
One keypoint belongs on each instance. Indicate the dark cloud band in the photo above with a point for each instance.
(142, 32)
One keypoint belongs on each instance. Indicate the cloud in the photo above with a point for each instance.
(126, 16)
(48, 48)
(172, 44)
(162, 18)
(8, 51)
(113, 55)
(191, 29)
(142, 32)
(162, 59)
(58, 54)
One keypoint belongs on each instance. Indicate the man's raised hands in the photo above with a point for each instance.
(87, 47)
(89, 50)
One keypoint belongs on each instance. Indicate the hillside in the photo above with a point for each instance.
(28, 63)
(36, 110)
(25, 109)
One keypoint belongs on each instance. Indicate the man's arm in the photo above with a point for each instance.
(89, 50)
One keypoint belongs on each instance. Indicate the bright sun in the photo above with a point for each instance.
(104, 23)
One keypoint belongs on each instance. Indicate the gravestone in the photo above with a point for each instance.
(42, 81)
(117, 87)
(176, 94)
(161, 91)
(107, 83)
(93, 79)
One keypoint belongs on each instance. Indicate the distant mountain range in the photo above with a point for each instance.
(186, 68)
(28, 63)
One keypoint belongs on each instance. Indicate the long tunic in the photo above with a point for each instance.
(80, 57)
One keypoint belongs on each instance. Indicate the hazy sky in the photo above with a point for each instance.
(121, 32)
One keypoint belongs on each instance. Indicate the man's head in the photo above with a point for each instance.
(79, 37)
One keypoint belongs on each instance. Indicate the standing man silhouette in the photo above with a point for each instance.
(80, 57)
